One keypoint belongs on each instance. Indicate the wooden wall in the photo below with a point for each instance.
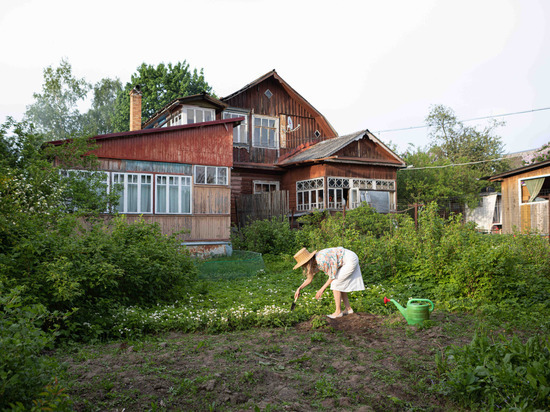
(206, 145)
(199, 228)
(280, 105)
(533, 216)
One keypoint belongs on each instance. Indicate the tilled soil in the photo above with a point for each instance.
(359, 362)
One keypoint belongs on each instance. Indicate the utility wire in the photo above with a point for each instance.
(468, 120)
(454, 164)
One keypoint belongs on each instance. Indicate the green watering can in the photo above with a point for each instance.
(416, 311)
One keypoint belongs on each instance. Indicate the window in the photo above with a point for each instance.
(136, 192)
(310, 194)
(173, 194)
(211, 175)
(378, 199)
(190, 115)
(262, 187)
(534, 189)
(86, 187)
(266, 132)
(240, 133)
(338, 189)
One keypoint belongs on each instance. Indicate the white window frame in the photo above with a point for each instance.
(257, 141)
(195, 110)
(182, 183)
(264, 182)
(521, 202)
(123, 204)
(312, 189)
(240, 133)
(220, 175)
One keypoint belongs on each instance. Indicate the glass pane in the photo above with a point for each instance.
(199, 116)
(380, 201)
(211, 175)
(190, 116)
(235, 135)
(256, 141)
(300, 198)
(145, 195)
(264, 138)
(242, 133)
(257, 122)
(161, 198)
(222, 176)
(186, 199)
(271, 138)
(271, 123)
(200, 176)
(132, 197)
(173, 196)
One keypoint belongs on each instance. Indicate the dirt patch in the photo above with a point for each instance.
(358, 362)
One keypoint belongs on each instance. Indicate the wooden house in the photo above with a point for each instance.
(177, 175)
(525, 193)
(285, 144)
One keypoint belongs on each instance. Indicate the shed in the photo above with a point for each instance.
(524, 198)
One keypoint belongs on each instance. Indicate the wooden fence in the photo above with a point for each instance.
(261, 206)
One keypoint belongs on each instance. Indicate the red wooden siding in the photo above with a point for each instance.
(208, 145)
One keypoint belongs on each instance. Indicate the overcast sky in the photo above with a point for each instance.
(370, 64)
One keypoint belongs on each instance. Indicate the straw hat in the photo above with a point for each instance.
(303, 256)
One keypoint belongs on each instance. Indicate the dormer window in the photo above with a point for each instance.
(191, 114)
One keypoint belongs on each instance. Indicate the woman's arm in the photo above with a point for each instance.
(303, 285)
(322, 290)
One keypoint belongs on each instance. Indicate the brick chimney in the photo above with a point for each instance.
(135, 108)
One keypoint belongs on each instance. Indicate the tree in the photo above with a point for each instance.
(99, 119)
(452, 168)
(55, 113)
(160, 85)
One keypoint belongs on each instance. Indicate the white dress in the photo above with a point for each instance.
(345, 263)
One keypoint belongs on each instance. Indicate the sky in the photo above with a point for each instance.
(365, 64)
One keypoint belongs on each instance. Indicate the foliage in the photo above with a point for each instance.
(160, 85)
(55, 243)
(56, 113)
(451, 168)
(265, 236)
(24, 371)
(100, 117)
(504, 374)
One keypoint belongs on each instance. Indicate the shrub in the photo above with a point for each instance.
(505, 374)
(24, 370)
(265, 236)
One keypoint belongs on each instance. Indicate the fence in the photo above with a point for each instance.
(261, 206)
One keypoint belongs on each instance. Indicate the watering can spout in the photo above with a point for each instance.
(397, 305)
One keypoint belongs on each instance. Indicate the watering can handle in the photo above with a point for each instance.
(422, 300)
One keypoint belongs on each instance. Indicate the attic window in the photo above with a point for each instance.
(268, 93)
(317, 133)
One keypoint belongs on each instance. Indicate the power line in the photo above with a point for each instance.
(468, 120)
(453, 164)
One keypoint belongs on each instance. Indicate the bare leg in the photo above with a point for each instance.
(337, 301)
(345, 300)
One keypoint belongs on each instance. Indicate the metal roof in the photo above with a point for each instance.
(528, 168)
(329, 147)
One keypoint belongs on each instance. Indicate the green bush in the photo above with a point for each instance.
(265, 236)
(24, 370)
(507, 374)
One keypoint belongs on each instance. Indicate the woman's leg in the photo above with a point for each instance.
(337, 301)
(345, 300)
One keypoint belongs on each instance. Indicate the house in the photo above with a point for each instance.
(525, 193)
(285, 144)
(189, 166)
(177, 175)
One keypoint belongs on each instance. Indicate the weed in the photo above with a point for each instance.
(318, 337)
(325, 388)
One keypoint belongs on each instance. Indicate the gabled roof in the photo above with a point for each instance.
(203, 98)
(288, 89)
(513, 172)
(330, 147)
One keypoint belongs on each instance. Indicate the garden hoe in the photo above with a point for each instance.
(293, 305)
